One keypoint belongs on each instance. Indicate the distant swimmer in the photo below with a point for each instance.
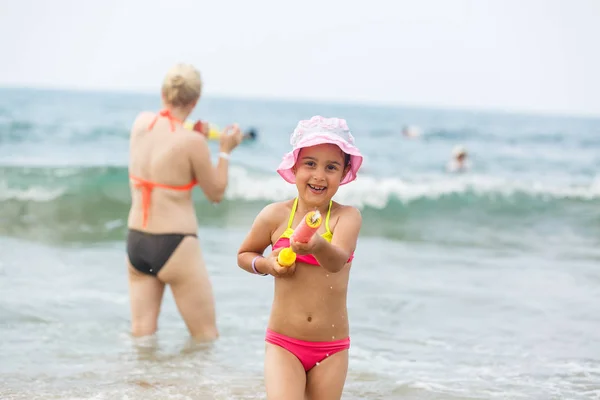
(459, 162)
(212, 132)
(411, 131)
(251, 134)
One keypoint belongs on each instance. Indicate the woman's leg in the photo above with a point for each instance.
(186, 273)
(145, 294)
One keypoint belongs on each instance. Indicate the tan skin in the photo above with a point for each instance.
(175, 158)
(310, 301)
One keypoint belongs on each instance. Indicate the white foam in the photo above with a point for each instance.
(377, 192)
(33, 193)
(366, 191)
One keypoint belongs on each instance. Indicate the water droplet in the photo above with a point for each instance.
(333, 337)
(330, 287)
(327, 355)
(327, 275)
(332, 325)
(317, 364)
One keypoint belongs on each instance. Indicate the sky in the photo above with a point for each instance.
(507, 55)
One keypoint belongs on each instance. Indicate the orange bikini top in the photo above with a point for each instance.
(147, 186)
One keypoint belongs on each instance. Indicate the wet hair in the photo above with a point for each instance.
(182, 85)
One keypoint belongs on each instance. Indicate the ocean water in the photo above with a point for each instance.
(480, 285)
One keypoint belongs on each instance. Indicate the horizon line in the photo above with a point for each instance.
(329, 101)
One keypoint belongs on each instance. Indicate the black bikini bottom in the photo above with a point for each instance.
(148, 252)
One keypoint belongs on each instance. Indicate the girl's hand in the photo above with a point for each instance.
(307, 248)
(277, 270)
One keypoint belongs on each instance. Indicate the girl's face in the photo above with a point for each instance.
(319, 171)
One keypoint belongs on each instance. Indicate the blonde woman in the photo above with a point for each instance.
(166, 162)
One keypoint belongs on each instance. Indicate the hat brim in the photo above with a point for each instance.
(290, 159)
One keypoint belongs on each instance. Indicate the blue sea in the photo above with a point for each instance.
(476, 285)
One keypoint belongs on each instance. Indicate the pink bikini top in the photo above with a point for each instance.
(284, 239)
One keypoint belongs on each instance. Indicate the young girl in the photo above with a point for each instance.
(308, 334)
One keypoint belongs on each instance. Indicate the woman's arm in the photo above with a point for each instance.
(213, 181)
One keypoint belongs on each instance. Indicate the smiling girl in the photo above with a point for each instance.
(307, 338)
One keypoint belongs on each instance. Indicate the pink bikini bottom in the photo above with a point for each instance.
(309, 353)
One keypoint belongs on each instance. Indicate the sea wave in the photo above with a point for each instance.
(92, 203)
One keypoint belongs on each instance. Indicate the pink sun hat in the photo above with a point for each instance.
(319, 130)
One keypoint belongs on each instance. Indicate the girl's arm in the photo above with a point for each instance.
(334, 256)
(258, 239)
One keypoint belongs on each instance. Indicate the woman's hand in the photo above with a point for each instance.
(230, 138)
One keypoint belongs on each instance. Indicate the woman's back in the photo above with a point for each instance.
(161, 171)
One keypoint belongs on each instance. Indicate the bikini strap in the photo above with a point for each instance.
(292, 213)
(164, 113)
(327, 217)
(146, 188)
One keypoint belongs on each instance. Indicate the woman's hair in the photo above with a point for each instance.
(182, 85)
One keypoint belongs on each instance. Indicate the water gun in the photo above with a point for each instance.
(213, 133)
(303, 233)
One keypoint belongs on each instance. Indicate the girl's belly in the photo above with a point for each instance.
(311, 305)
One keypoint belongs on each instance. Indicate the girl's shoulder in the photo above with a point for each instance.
(345, 210)
(273, 213)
